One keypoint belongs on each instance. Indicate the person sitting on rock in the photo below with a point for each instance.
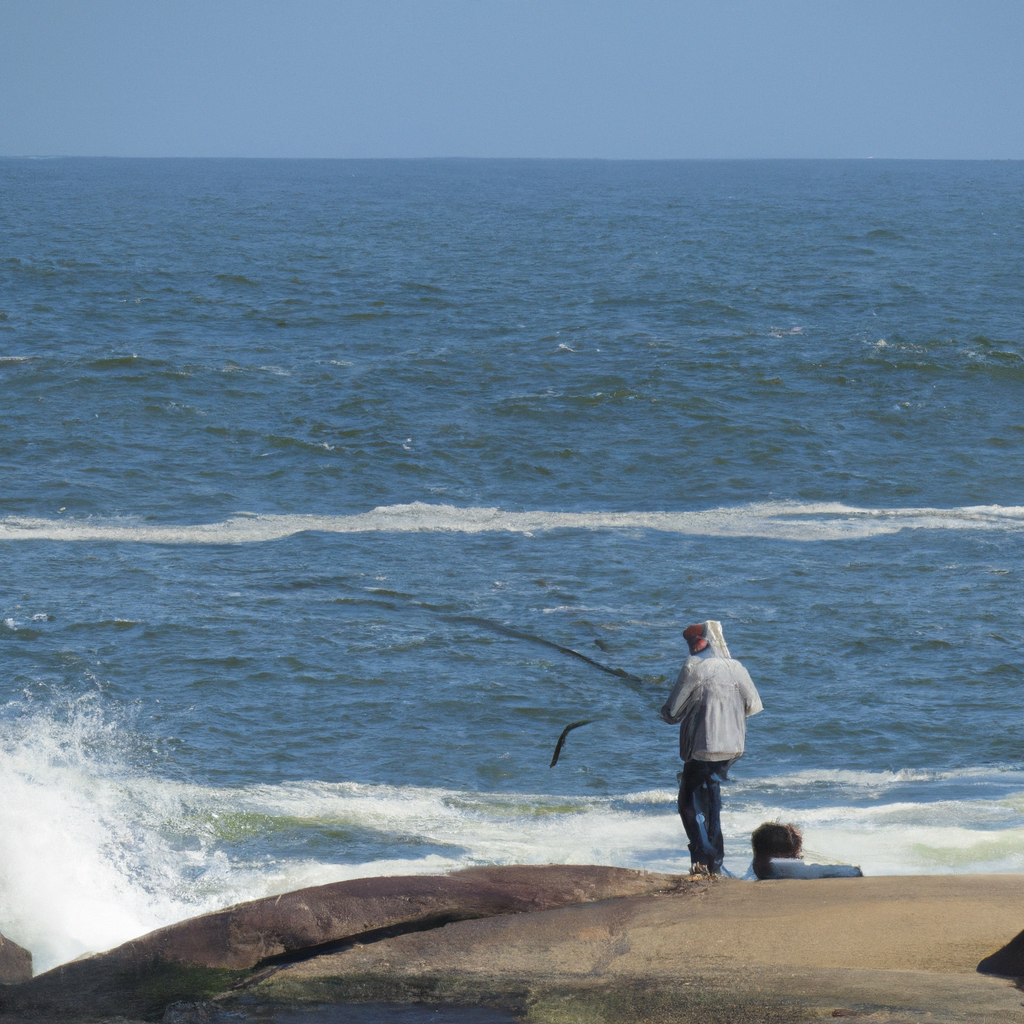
(778, 853)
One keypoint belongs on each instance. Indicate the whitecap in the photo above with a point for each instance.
(777, 520)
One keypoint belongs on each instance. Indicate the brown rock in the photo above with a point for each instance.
(200, 957)
(886, 949)
(244, 935)
(671, 950)
(15, 963)
(1008, 961)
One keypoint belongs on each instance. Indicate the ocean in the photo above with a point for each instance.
(315, 473)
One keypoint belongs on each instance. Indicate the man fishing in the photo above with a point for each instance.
(711, 701)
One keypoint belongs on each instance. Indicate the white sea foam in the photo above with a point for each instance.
(93, 854)
(876, 782)
(791, 521)
(70, 858)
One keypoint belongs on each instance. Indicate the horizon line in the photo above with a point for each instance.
(532, 159)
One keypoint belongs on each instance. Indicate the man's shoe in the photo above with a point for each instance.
(696, 868)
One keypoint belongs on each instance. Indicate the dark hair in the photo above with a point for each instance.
(773, 839)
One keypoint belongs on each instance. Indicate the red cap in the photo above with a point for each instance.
(694, 637)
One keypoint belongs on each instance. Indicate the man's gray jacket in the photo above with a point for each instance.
(712, 699)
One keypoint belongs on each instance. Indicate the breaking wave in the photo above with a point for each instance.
(788, 521)
(95, 850)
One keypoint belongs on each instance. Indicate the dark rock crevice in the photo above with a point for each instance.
(272, 964)
(423, 924)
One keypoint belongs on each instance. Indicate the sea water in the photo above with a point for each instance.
(313, 474)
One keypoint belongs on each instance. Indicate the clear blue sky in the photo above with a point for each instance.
(513, 78)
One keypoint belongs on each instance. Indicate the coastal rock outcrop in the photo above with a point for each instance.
(360, 910)
(207, 954)
(15, 962)
(558, 944)
(717, 951)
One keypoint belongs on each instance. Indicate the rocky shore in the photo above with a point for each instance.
(566, 944)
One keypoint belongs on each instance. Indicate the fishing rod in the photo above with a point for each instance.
(497, 627)
(518, 634)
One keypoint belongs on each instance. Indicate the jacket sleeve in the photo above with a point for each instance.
(751, 698)
(672, 710)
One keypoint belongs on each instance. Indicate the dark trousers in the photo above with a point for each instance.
(700, 807)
